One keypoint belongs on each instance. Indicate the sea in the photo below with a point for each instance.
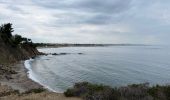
(115, 66)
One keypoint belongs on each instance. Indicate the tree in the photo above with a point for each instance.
(6, 29)
(6, 33)
(17, 39)
(13, 40)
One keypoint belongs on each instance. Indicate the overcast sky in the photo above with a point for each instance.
(89, 21)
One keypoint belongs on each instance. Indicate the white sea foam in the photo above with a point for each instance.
(31, 74)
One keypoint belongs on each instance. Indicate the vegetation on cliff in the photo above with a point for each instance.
(14, 47)
(13, 40)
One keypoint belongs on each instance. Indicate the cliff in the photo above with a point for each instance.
(9, 54)
(12, 54)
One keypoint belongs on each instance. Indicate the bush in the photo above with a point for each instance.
(167, 92)
(39, 90)
(90, 91)
(160, 92)
(135, 92)
(69, 93)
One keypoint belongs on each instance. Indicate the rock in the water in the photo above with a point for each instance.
(54, 54)
(80, 53)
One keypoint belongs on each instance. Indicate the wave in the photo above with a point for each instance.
(32, 76)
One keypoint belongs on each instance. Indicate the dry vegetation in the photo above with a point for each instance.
(89, 91)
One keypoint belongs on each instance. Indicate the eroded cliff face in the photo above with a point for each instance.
(10, 54)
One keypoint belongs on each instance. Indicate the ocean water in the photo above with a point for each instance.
(114, 66)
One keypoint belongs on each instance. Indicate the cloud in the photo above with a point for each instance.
(86, 5)
(89, 21)
(87, 11)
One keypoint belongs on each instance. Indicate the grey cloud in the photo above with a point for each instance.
(17, 9)
(98, 19)
(107, 6)
(131, 20)
(96, 6)
(102, 12)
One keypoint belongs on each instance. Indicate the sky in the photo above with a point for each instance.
(89, 21)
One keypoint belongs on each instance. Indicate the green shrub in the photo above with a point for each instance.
(39, 90)
(69, 93)
(153, 91)
(90, 91)
(167, 92)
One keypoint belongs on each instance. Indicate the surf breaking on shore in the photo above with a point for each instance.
(31, 75)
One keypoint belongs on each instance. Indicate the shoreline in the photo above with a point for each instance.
(19, 84)
(30, 75)
(20, 81)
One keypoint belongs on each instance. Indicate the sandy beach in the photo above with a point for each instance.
(21, 83)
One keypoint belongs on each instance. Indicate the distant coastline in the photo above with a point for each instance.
(57, 45)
